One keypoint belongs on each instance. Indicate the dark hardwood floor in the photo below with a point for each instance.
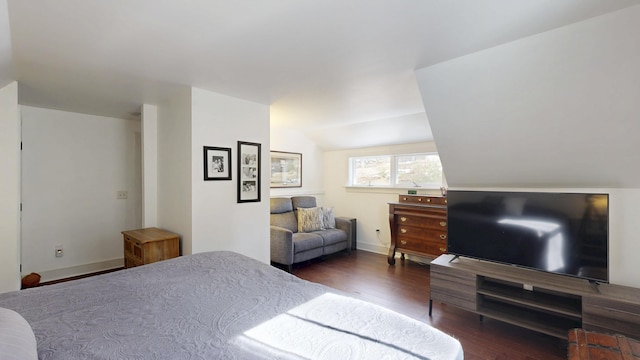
(405, 289)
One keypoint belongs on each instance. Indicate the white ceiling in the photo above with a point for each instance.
(319, 64)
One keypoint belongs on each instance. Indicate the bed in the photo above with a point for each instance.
(215, 305)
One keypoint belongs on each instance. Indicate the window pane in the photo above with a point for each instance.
(371, 171)
(418, 170)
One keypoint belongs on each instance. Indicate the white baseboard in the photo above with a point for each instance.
(374, 248)
(384, 250)
(63, 273)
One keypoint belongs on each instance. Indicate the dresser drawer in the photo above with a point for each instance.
(422, 233)
(422, 199)
(434, 248)
(430, 221)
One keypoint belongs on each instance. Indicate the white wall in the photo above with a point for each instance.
(149, 165)
(9, 188)
(555, 110)
(6, 56)
(289, 140)
(369, 206)
(219, 221)
(624, 227)
(72, 167)
(174, 167)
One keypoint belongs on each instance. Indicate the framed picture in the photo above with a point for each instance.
(286, 169)
(217, 163)
(248, 172)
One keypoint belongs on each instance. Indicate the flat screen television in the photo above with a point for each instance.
(563, 233)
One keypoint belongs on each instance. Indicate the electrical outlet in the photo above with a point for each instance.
(59, 251)
(122, 194)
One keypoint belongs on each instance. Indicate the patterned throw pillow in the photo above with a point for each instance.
(310, 219)
(328, 218)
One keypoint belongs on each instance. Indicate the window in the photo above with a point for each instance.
(408, 170)
(371, 171)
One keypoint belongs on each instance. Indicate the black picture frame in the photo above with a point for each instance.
(217, 163)
(249, 166)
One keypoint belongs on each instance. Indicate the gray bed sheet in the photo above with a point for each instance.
(216, 305)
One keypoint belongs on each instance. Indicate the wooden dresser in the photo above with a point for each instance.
(145, 246)
(418, 226)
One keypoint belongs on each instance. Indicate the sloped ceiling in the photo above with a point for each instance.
(319, 64)
(557, 109)
(6, 61)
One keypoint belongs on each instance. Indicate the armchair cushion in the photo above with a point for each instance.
(306, 241)
(285, 220)
(333, 236)
(280, 205)
(303, 202)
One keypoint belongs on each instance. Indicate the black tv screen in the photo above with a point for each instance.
(563, 233)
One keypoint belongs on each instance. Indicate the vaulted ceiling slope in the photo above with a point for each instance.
(558, 109)
(6, 64)
(319, 64)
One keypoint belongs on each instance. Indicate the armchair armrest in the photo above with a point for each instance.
(281, 245)
(346, 224)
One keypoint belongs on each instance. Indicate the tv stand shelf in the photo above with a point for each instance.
(561, 304)
(550, 313)
(554, 305)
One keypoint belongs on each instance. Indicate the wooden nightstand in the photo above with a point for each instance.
(145, 246)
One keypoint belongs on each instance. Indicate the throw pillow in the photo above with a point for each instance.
(310, 219)
(328, 218)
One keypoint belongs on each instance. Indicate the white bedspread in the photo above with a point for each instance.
(218, 305)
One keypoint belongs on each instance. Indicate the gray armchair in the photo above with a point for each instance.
(290, 246)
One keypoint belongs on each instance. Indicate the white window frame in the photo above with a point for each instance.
(393, 159)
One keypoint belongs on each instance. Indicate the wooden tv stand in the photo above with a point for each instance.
(548, 303)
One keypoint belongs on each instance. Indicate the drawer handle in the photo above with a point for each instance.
(445, 201)
(403, 219)
(403, 242)
(419, 199)
(443, 223)
(404, 198)
(428, 199)
(443, 236)
(404, 231)
(442, 249)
